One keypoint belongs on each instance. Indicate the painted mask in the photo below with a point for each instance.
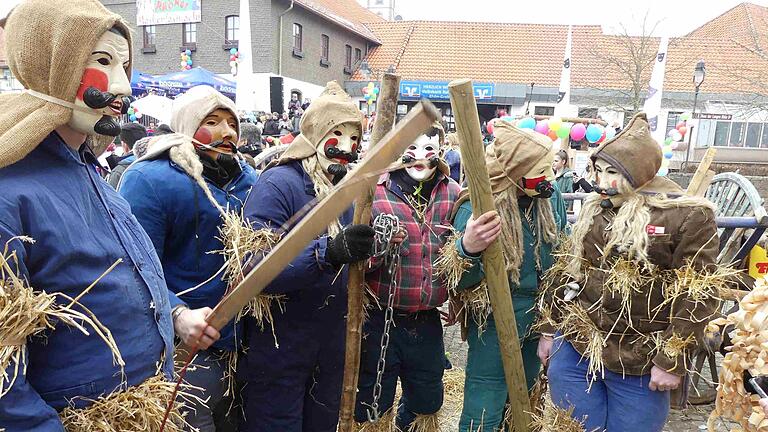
(607, 181)
(218, 135)
(105, 89)
(537, 182)
(338, 148)
(425, 148)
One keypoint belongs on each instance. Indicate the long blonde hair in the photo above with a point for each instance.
(322, 186)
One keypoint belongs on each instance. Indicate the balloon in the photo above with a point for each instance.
(233, 51)
(578, 131)
(183, 56)
(593, 133)
(188, 52)
(668, 141)
(555, 124)
(552, 135)
(671, 132)
(376, 90)
(564, 131)
(602, 138)
(183, 63)
(663, 171)
(676, 135)
(132, 117)
(370, 102)
(685, 116)
(682, 130)
(365, 90)
(610, 133)
(542, 127)
(507, 118)
(665, 163)
(189, 61)
(668, 155)
(131, 110)
(489, 127)
(673, 145)
(679, 125)
(526, 123)
(188, 67)
(139, 115)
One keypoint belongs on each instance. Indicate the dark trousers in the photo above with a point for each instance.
(416, 355)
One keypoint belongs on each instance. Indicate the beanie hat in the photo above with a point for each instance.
(633, 152)
(514, 152)
(332, 108)
(48, 47)
(132, 132)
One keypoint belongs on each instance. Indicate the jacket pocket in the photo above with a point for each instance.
(55, 397)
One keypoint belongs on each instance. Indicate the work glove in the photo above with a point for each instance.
(354, 243)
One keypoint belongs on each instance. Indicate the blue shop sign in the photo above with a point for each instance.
(438, 90)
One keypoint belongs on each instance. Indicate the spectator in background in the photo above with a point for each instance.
(285, 126)
(583, 184)
(453, 156)
(297, 119)
(151, 128)
(563, 173)
(271, 126)
(306, 103)
(163, 129)
(129, 134)
(250, 139)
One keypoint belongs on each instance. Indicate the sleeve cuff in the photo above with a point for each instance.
(174, 300)
(465, 254)
(673, 366)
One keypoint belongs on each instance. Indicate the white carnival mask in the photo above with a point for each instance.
(425, 148)
(338, 148)
(537, 182)
(104, 87)
(608, 179)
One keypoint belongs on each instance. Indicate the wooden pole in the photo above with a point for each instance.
(703, 176)
(473, 160)
(385, 119)
(418, 121)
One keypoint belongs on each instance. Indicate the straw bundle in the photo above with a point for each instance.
(386, 423)
(555, 419)
(476, 304)
(425, 423)
(748, 354)
(626, 278)
(25, 313)
(138, 408)
(450, 266)
(577, 326)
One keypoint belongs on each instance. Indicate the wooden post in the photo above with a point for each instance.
(703, 176)
(473, 160)
(385, 119)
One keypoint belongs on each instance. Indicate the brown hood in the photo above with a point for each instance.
(332, 108)
(633, 152)
(48, 45)
(514, 152)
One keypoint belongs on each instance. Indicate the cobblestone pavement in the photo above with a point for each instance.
(692, 419)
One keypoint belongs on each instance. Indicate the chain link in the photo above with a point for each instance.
(388, 225)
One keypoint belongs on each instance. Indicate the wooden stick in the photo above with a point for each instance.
(418, 121)
(473, 159)
(385, 119)
(699, 183)
(573, 119)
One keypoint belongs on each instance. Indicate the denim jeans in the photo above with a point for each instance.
(614, 403)
(205, 373)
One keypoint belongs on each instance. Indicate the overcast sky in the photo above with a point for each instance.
(675, 17)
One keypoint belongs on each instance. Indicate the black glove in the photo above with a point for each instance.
(353, 244)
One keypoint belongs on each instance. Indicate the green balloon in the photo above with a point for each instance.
(668, 141)
(564, 131)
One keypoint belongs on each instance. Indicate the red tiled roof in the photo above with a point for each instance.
(346, 13)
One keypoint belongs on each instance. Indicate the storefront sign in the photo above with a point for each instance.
(709, 116)
(438, 90)
(157, 12)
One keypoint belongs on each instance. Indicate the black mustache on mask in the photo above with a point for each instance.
(97, 99)
(606, 204)
(337, 153)
(338, 171)
(107, 126)
(219, 143)
(609, 191)
(410, 159)
(544, 189)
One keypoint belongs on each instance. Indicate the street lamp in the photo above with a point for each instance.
(698, 78)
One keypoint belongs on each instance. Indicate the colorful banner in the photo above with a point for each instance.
(157, 12)
(564, 91)
(652, 106)
(438, 90)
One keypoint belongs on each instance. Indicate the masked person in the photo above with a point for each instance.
(293, 374)
(629, 303)
(74, 63)
(530, 215)
(422, 198)
(178, 191)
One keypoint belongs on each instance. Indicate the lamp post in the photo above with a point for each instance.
(698, 77)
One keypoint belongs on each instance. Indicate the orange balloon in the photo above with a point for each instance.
(552, 134)
(682, 130)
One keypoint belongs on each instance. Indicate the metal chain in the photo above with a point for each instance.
(393, 259)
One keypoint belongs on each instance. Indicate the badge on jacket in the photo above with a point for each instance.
(654, 230)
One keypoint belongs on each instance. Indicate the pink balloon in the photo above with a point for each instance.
(489, 127)
(542, 127)
(578, 131)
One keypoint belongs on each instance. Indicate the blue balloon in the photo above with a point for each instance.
(663, 171)
(132, 117)
(527, 123)
(668, 155)
(189, 62)
(610, 133)
(594, 133)
(188, 52)
(233, 51)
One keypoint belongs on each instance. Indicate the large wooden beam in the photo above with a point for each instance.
(392, 146)
(703, 175)
(385, 119)
(473, 161)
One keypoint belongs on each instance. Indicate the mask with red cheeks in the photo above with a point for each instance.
(104, 92)
(608, 180)
(338, 148)
(424, 149)
(537, 182)
(218, 131)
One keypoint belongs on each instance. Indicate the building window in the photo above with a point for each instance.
(721, 133)
(588, 113)
(358, 55)
(232, 29)
(189, 34)
(737, 134)
(544, 110)
(764, 137)
(753, 135)
(347, 59)
(149, 37)
(673, 118)
(298, 35)
(325, 52)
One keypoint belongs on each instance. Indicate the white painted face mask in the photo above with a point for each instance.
(338, 148)
(608, 179)
(425, 148)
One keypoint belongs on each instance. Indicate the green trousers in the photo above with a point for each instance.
(485, 389)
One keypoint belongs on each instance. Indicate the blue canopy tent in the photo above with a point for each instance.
(139, 82)
(175, 83)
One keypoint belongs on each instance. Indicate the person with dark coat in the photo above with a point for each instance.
(272, 126)
(293, 371)
(129, 134)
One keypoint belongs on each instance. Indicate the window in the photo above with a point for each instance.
(298, 34)
(348, 59)
(721, 133)
(379, 2)
(358, 55)
(232, 29)
(189, 34)
(673, 118)
(149, 37)
(325, 43)
(737, 134)
(764, 139)
(753, 135)
(544, 110)
(588, 112)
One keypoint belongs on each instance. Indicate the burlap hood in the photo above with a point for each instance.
(48, 45)
(332, 108)
(633, 152)
(513, 153)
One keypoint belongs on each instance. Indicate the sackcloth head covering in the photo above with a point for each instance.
(48, 45)
(513, 153)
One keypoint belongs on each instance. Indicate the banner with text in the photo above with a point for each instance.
(158, 12)
(438, 90)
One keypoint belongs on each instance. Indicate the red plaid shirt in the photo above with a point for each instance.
(417, 289)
